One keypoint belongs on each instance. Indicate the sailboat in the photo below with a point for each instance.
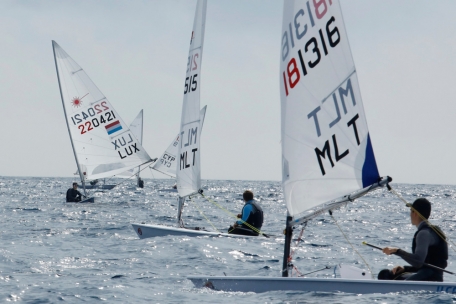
(167, 163)
(327, 154)
(188, 171)
(103, 145)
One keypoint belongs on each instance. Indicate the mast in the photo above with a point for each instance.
(66, 119)
(180, 207)
(141, 141)
(286, 253)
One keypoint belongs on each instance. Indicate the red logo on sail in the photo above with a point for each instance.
(76, 102)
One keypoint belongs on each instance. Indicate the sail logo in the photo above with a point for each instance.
(76, 102)
(113, 127)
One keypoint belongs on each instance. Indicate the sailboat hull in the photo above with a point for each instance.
(103, 187)
(87, 200)
(265, 284)
(146, 231)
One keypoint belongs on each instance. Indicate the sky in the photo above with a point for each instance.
(136, 53)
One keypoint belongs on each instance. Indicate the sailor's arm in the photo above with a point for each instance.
(245, 214)
(423, 240)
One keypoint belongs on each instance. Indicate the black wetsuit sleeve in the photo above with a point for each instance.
(424, 239)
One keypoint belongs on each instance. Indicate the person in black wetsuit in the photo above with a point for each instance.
(427, 247)
(73, 195)
(251, 214)
(140, 183)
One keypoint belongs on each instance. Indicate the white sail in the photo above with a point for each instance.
(326, 148)
(136, 127)
(103, 143)
(188, 169)
(166, 164)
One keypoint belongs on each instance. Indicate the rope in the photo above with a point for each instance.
(203, 215)
(232, 215)
(330, 213)
(290, 257)
(425, 219)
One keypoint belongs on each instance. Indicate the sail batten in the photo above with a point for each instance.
(103, 144)
(326, 148)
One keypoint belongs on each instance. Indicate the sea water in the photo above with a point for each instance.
(56, 252)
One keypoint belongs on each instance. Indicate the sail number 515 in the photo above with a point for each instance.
(191, 84)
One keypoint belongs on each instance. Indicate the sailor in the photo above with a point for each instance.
(252, 214)
(429, 246)
(140, 183)
(73, 195)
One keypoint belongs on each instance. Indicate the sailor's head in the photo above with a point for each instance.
(75, 185)
(247, 195)
(420, 206)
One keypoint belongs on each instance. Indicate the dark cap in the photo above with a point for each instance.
(75, 184)
(422, 206)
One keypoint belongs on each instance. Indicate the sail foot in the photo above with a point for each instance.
(337, 203)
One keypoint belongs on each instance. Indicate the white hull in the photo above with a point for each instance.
(168, 190)
(147, 231)
(265, 284)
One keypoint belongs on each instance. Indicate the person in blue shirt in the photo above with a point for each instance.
(252, 214)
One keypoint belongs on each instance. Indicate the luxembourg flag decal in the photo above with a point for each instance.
(113, 127)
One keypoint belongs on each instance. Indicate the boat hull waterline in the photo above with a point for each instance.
(265, 284)
(85, 201)
(146, 231)
(102, 187)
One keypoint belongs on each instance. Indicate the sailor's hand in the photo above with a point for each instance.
(397, 270)
(389, 250)
(235, 225)
(239, 215)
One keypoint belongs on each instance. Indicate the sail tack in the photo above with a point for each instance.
(188, 167)
(103, 143)
(326, 147)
